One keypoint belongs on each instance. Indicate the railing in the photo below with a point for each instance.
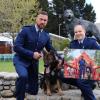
(6, 57)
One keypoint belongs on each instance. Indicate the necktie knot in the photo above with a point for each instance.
(39, 31)
(80, 43)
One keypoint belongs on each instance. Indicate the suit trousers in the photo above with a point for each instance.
(28, 76)
(84, 85)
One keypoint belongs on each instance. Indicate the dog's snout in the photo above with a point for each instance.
(69, 16)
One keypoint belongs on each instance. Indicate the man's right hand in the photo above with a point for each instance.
(37, 55)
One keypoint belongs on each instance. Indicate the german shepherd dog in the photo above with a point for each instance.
(51, 82)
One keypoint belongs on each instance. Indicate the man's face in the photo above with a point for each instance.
(41, 21)
(79, 32)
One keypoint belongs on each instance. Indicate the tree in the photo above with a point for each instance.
(16, 13)
(79, 7)
(89, 13)
(43, 4)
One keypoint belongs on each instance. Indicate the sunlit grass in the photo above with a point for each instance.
(7, 66)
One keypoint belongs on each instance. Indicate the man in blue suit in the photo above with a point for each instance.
(82, 67)
(82, 42)
(28, 46)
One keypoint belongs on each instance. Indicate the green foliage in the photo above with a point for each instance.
(16, 13)
(7, 66)
(60, 44)
(87, 15)
(97, 57)
(79, 7)
(41, 66)
(43, 4)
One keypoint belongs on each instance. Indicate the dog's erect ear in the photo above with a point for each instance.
(45, 52)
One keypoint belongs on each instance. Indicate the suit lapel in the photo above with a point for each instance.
(33, 29)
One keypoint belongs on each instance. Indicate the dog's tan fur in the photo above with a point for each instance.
(52, 64)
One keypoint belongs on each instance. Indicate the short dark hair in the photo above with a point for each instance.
(80, 25)
(42, 12)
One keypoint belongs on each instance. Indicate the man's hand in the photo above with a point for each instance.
(37, 55)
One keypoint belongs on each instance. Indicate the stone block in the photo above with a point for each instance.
(1, 81)
(6, 87)
(12, 82)
(12, 88)
(1, 87)
(6, 83)
(6, 93)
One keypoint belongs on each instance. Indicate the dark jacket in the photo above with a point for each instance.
(27, 42)
(88, 43)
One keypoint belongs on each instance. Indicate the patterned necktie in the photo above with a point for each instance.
(37, 39)
(39, 31)
(81, 45)
(38, 34)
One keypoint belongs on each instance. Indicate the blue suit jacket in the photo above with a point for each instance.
(88, 43)
(27, 42)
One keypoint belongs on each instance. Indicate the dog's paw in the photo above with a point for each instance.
(45, 92)
(60, 93)
(49, 93)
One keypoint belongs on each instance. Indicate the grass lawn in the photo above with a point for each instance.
(7, 66)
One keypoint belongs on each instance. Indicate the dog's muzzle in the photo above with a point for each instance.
(46, 65)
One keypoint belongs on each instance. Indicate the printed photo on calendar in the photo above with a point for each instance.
(83, 64)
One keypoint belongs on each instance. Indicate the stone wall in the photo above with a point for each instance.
(7, 88)
(7, 84)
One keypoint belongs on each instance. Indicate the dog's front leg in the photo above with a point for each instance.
(60, 92)
(48, 87)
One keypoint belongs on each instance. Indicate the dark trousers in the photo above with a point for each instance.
(84, 85)
(27, 75)
(82, 72)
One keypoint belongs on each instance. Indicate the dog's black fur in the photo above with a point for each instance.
(51, 77)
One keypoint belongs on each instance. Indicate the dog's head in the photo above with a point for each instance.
(68, 15)
(50, 59)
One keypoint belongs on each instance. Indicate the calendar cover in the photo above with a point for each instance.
(83, 64)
